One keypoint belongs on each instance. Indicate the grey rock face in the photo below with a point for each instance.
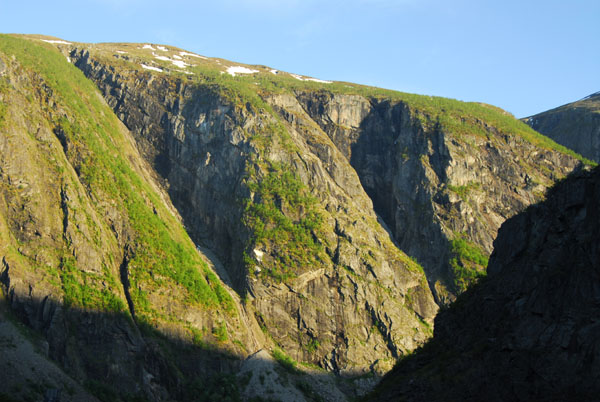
(430, 186)
(529, 331)
(575, 125)
(363, 304)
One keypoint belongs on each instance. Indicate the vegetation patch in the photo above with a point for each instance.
(468, 262)
(217, 387)
(434, 112)
(220, 332)
(82, 289)
(289, 364)
(283, 218)
(463, 191)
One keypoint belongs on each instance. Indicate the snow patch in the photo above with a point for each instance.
(148, 47)
(61, 42)
(301, 78)
(318, 80)
(151, 68)
(68, 59)
(162, 48)
(233, 70)
(122, 52)
(179, 63)
(177, 57)
(274, 71)
(163, 58)
(192, 55)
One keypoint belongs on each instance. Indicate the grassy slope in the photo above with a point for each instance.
(162, 252)
(450, 115)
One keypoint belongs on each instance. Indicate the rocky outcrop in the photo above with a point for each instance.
(357, 303)
(437, 190)
(87, 237)
(575, 125)
(434, 186)
(529, 330)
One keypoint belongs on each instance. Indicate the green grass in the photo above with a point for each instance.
(448, 115)
(3, 107)
(463, 191)
(312, 346)
(82, 289)
(289, 364)
(215, 387)
(161, 247)
(220, 332)
(283, 217)
(468, 263)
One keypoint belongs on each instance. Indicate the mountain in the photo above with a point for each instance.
(529, 331)
(441, 174)
(178, 227)
(575, 125)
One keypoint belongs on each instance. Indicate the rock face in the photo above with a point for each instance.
(575, 125)
(434, 186)
(354, 302)
(183, 218)
(529, 331)
(437, 188)
(93, 256)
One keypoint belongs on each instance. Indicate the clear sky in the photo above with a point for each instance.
(525, 56)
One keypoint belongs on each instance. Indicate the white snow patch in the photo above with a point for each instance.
(162, 48)
(274, 71)
(151, 68)
(233, 70)
(301, 78)
(179, 63)
(148, 47)
(68, 59)
(192, 55)
(61, 42)
(318, 80)
(163, 58)
(177, 57)
(122, 52)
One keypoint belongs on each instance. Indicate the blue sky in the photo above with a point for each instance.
(524, 56)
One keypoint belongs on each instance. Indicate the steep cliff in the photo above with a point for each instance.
(529, 331)
(575, 125)
(94, 257)
(442, 175)
(280, 207)
(301, 199)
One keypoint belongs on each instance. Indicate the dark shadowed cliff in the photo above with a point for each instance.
(529, 331)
